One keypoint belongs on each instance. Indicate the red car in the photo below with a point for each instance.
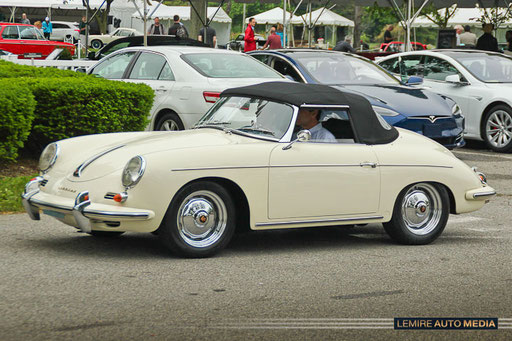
(28, 42)
(397, 46)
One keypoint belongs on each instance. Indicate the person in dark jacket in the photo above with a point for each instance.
(486, 41)
(178, 29)
(345, 46)
(157, 28)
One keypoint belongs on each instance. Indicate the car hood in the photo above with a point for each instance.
(405, 100)
(116, 149)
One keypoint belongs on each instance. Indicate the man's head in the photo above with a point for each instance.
(24, 16)
(272, 30)
(308, 118)
(348, 39)
(176, 18)
(157, 21)
(487, 28)
(458, 29)
(467, 28)
(252, 22)
(84, 18)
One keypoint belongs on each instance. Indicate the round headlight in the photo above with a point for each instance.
(48, 157)
(133, 171)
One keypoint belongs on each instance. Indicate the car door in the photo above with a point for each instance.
(315, 179)
(33, 42)
(115, 66)
(10, 39)
(154, 70)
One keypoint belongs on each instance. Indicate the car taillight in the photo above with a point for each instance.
(211, 97)
(77, 30)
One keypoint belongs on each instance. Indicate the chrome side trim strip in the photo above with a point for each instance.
(430, 166)
(78, 172)
(281, 166)
(279, 223)
(484, 194)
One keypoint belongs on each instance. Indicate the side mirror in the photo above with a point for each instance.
(302, 136)
(414, 80)
(453, 79)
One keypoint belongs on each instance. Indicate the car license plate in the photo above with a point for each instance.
(432, 130)
(54, 214)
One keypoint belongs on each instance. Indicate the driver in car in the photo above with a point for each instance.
(308, 119)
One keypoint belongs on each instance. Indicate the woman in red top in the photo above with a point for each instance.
(250, 43)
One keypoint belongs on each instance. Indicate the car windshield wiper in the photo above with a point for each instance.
(257, 130)
(210, 124)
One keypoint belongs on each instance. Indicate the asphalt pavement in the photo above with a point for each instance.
(304, 284)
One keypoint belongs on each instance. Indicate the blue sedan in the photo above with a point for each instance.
(435, 116)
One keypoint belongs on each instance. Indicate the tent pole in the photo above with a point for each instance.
(284, 23)
(145, 23)
(408, 39)
(310, 21)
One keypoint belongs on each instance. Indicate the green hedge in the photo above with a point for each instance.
(82, 106)
(16, 114)
(11, 70)
(53, 104)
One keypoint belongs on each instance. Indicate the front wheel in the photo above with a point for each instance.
(200, 220)
(96, 44)
(420, 214)
(497, 128)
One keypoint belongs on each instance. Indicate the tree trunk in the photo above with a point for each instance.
(196, 22)
(358, 13)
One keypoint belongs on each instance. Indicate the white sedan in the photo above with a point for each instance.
(479, 81)
(245, 166)
(96, 41)
(186, 80)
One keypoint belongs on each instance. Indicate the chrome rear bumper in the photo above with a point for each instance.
(83, 211)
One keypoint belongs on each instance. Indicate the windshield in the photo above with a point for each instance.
(30, 32)
(229, 65)
(249, 115)
(333, 68)
(487, 67)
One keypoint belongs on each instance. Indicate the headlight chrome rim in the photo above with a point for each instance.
(46, 167)
(127, 178)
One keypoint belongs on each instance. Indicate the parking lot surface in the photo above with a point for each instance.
(318, 283)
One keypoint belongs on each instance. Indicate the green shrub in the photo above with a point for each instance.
(11, 70)
(17, 106)
(87, 105)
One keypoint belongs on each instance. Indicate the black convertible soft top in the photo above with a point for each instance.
(365, 123)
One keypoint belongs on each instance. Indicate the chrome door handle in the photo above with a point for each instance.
(368, 164)
(163, 89)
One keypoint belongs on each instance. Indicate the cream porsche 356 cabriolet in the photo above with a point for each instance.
(245, 164)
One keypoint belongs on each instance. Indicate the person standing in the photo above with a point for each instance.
(345, 46)
(211, 36)
(280, 33)
(178, 29)
(47, 28)
(508, 37)
(467, 38)
(388, 38)
(24, 19)
(458, 31)
(249, 41)
(487, 42)
(156, 28)
(273, 41)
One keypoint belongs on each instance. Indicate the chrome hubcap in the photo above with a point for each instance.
(499, 128)
(421, 209)
(202, 219)
(169, 125)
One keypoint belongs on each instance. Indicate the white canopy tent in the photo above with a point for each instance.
(221, 22)
(272, 17)
(462, 16)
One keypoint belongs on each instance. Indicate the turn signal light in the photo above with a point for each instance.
(86, 198)
(120, 197)
(211, 97)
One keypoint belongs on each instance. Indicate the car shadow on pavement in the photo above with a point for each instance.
(312, 238)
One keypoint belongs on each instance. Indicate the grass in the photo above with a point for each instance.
(10, 191)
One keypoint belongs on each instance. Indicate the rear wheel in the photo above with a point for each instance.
(200, 220)
(169, 122)
(96, 44)
(420, 214)
(497, 128)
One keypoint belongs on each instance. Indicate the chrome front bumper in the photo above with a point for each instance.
(84, 212)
